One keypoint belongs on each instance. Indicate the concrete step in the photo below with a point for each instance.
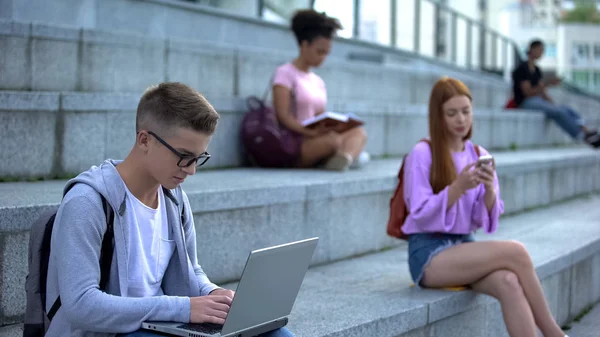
(371, 295)
(167, 19)
(588, 325)
(157, 40)
(62, 58)
(81, 129)
(51, 57)
(13, 330)
(181, 19)
(243, 209)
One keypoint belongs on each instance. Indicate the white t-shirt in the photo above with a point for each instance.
(150, 247)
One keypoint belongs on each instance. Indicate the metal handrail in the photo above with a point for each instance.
(498, 65)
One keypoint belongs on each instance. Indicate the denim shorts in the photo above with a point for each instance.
(422, 247)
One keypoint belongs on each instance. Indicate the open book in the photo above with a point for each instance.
(335, 121)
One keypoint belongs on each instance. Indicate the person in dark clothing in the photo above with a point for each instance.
(529, 90)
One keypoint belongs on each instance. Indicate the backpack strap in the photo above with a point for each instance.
(106, 254)
(477, 150)
(179, 196)
(107, 250)
(176, 196)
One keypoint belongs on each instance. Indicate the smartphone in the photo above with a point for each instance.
(485, 160)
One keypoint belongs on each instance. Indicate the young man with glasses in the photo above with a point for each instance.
(154, 274)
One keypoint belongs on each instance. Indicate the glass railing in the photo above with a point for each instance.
(430, 29)
(578, 89)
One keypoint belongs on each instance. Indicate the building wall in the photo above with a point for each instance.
(571, 50)
(579, 54)
(518, 22)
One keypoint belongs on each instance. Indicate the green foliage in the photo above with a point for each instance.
(583, 312)
(585, 11)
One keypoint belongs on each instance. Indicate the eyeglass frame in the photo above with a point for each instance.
(206, 156)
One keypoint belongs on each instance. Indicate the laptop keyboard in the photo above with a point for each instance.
(206, 328)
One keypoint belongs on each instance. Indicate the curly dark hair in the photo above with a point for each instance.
(308, 24)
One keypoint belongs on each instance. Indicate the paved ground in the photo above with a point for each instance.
(589, 326)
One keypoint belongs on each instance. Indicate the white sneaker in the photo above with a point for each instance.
(362, 160)
(339, 162)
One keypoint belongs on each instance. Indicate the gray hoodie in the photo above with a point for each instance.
(74, 269)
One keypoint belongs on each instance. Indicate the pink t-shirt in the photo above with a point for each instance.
(311, 96)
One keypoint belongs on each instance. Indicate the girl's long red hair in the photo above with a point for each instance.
(443, 171)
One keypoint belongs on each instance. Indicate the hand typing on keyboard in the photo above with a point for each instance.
(223, 292)
(209, 309)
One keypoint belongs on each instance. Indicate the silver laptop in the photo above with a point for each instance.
(264, 297)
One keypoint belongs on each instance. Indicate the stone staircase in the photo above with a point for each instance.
(68, 96)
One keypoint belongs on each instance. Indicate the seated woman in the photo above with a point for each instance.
(448, 197)
(300, 94)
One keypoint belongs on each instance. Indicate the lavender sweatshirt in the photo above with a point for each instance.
(428, 211)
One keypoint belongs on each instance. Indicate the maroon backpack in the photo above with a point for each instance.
(266, 141)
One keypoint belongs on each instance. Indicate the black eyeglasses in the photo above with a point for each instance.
(185, 160)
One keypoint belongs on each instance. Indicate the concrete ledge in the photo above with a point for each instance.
(378, 300)
(56, 32)
(236, 208)
(63, 58)
(28, 101)
(370, 295)
(573, 170)
(239, 209)
(165, 19)
(115, 61)
(173, 18)
(86, 102)
(114, 38)
(93, 126)
(15, 28)
(28, 133)
(39, 56)
(15, 330)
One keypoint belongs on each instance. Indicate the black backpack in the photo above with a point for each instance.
(37, 319)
